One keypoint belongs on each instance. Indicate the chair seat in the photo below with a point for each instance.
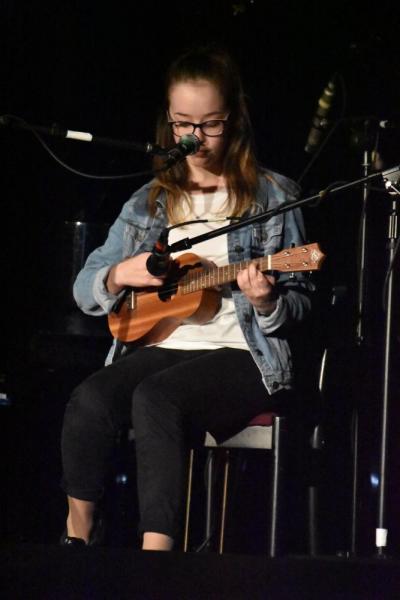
(257, 435)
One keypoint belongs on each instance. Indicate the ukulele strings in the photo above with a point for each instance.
(190, 278)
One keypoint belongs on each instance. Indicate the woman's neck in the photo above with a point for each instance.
(204, 181)
(196, 188)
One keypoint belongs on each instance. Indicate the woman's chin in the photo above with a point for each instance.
(201, 159)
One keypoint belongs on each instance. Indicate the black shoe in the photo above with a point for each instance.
(67, 540)
(96, 538)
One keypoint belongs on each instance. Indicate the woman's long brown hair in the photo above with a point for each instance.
(239, 166)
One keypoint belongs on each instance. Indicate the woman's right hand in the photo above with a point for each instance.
(132, 272)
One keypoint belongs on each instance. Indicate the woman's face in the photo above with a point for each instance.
(198, 101)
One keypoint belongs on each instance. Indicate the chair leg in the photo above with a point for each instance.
(188, 502)
(313, 529)
(210, 501)
(224, 503)
(209, 498)
(313, 541)
(278, 467)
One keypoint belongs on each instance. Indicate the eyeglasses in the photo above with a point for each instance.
(212, 128)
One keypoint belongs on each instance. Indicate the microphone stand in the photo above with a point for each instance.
(388, 176)
(393, 237)
(360, 339)
(360, 334)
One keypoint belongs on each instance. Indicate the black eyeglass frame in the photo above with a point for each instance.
(200, 126)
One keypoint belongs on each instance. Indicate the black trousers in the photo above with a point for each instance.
(170, 397)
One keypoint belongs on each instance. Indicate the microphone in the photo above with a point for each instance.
(188, 144)
(320, 122)
(159, 262)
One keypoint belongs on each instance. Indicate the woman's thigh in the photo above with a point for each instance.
(110, 389)
(218, 391)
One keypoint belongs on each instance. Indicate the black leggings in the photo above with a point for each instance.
(168, 396)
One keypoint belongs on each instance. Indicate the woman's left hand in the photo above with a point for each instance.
(259, 289)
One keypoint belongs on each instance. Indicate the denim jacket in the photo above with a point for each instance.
(135, 232)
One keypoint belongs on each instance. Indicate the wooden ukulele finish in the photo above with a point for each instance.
(149, 315)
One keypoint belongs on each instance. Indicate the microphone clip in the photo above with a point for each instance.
(158, 263)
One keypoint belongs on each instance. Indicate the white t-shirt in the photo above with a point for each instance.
(223, 330)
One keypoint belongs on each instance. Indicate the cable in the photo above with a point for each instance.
(76, 171)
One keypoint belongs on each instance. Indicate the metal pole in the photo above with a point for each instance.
(360, 338)
(382, 530)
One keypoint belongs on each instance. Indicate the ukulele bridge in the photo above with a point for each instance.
(131, 300)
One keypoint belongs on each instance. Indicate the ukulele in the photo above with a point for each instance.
(150, 315)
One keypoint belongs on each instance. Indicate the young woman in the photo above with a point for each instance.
(214, 375)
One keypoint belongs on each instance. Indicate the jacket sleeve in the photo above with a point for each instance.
(89, 289)
(295, 293)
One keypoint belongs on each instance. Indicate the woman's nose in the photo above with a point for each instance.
(199, 132)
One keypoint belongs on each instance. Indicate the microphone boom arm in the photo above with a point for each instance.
(82, 136)
(187, 243)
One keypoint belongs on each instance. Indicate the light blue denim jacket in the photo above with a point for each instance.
(135, 231)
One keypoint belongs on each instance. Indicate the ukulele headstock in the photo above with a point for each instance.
(299, 258)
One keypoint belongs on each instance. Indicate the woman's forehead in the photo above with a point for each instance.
(194, 96)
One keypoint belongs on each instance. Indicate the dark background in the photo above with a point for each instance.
(98, 67)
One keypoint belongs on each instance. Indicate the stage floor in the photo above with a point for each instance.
(51, 572)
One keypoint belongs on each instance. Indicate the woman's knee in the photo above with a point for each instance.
(151, 400)
(146, 398)
(87, 403)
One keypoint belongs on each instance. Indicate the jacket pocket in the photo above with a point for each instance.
(266, 238)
